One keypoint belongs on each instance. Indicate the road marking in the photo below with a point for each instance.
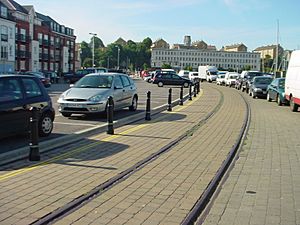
(84, 148)
(76, 124)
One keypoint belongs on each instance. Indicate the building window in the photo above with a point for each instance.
(3, 52)
(40, 38)
(4, 33)
(22, 65)
(3, 12)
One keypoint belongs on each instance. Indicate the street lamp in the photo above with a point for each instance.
(118, 65)
(93, 38)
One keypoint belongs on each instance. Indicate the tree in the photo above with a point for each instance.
(189, 68)
(166, 66)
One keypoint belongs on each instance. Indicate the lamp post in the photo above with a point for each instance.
(93, 60)
(118, 64)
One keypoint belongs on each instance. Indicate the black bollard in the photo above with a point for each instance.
(181, 96)
(190, 93)
(170, 100)
(195, 90)
(148, 107)
(110, 115)
(34, 154)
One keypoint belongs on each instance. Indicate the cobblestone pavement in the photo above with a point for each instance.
(264, 185)
(161, 192)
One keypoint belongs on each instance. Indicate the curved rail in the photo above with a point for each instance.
(84, 199)
(199, 211)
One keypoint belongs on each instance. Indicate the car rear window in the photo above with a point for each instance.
(10, 90)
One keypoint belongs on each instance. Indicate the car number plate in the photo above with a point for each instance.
(75, 105)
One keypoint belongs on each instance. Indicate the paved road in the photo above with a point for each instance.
(264, 186)
(77, 123)
(162, 192)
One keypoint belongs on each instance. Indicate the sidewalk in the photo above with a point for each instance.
(264, 186)
(160, 193)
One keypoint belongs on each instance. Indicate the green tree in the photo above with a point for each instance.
(189, 68)
(166, 66)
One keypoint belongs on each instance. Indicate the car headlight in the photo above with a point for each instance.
(257, 89)
(96, 98)
(62, 97)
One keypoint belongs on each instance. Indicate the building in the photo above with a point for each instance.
(41, 44)
(236, 48)
(269, 51)
(7, 41)
(179, 58)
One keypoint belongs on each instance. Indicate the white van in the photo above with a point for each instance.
(208, 73)
(230, 78)
(292, 81)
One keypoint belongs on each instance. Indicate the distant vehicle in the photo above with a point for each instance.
(163, 71)
(247, 79)
(162, 79)
(259, 86)
(292, 81)
(275, 91)
(90, 94)
(208, 73)
(74, 77)
(184, 73)
(18, 93)
(52, 76)
(221, 79)
(45, 80)
(194, 77)
(230, 78)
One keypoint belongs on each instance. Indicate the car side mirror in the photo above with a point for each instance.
(71, 85)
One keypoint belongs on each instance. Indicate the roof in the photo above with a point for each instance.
(14, 6)
(234, 45)
(265, 47)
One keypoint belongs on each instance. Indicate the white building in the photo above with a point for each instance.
(7, 41)
(194, 56)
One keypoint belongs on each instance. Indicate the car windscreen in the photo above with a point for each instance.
(265, 80)
(233, 77)
(213, 73)
(253, 74)
(98, 81)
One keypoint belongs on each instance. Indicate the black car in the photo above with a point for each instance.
(18, 93)
(42, 77)
(74, 77)
(246, 81)
(162, 79)
(259, 86)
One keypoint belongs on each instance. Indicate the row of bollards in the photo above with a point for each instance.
(34, 154)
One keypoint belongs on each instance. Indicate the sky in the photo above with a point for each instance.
(217, 22)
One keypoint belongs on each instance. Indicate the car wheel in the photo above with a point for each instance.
(279, 102)
(253, 95)
(268, 97)
(45, 125)
(66, 114)
(293, 106)
(185, 84)
(160, 84)
(133, 106)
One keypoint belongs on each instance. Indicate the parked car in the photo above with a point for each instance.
(221, 79)
(162, 79)
(259, 86)
(184, 73)
(159, 72)
(275, 91)
(18, 93)
(74, 77)
(45, 80)
(90, 94)
(230, 78)
(247, 78)
(292, 81)
(52, 76)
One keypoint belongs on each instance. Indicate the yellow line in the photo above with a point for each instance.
(84, 148)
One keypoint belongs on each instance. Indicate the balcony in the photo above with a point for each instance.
(22, 38)
(57, 58)
(22, 54)
(45, 42)
(45, 57)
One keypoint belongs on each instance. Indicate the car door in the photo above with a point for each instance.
(119, 101)
(272, 91)
(128, 90)
(13, 113)
(177, 80)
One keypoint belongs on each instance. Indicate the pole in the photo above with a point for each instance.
(190, 93)
(118, 57)
(181, 96)
(148, 106)
(170, 100)
(93, 53)
(195, 90)
(110, 114)
(34, 154)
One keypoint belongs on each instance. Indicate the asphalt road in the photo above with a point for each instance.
(77, 123)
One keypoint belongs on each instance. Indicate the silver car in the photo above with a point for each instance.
(90, 94)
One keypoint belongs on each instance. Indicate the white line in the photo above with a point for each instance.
(77, 124)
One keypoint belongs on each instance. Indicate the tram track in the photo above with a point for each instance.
(84, 199)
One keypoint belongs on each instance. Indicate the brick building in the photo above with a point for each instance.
(41, 43)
